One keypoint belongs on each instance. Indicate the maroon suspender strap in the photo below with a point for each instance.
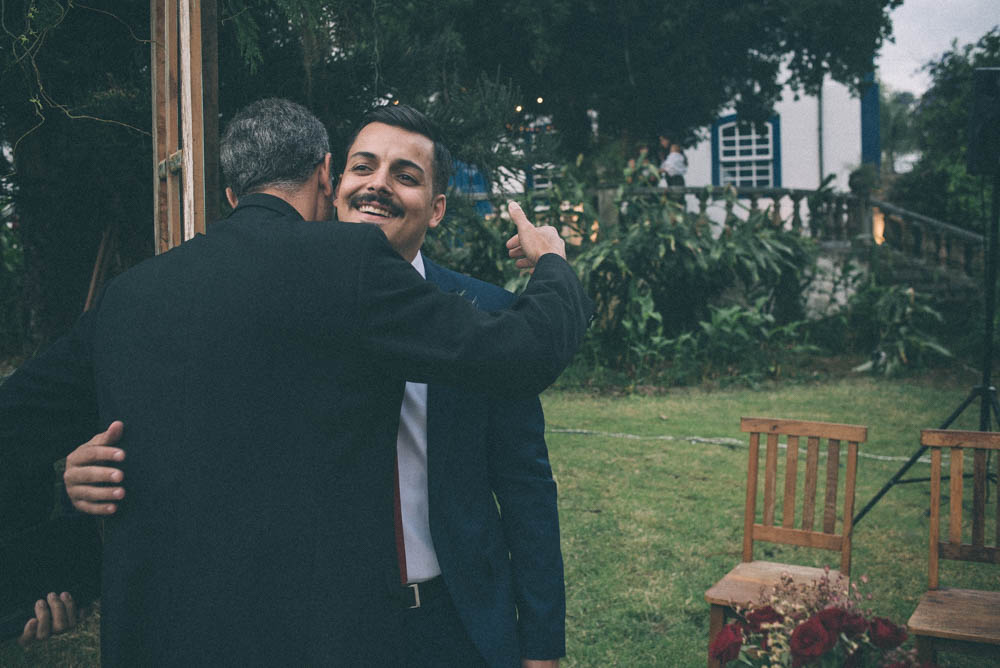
(398, 517)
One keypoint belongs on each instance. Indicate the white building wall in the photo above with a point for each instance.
(800, 140)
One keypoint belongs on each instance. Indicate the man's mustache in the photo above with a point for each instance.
(375, 198)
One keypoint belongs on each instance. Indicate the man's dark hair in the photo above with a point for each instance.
(272, 143)
(406, 117)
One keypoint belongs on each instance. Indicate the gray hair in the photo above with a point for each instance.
(272, 143)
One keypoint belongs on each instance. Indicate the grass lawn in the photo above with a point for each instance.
(652, 515)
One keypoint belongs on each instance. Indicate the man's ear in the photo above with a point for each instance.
(438, 208)
(231, 197)
(325, 185)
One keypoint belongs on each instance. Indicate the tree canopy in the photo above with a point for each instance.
(75, 114)
(939, 185)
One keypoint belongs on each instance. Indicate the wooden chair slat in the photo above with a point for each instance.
(955, 504)
(791, 481)
(797, 537)
(832, 475)
(848, 522)
(935, 524)
(842, 432)
(770, 478)
(979, 498)
(809, 492)
(750, 509)
(966, 552)
(949, 438)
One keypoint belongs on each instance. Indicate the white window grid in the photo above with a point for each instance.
(746, 155)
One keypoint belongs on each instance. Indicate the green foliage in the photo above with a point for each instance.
(939, 185)
(647, 65)
(736, 342)
(896, 131)
(891, 322)
(75, 112)
(13, 320)
(667, 286)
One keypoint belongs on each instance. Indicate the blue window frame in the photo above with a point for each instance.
(746, 156)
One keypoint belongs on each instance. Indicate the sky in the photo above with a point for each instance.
(923, 30)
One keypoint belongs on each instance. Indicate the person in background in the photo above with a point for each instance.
(674, 167)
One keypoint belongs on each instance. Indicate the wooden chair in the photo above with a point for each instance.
(964, 620)
(745, 582)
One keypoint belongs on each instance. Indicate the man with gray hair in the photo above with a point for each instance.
(254, 375)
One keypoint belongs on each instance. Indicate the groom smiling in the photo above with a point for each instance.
(457, 450)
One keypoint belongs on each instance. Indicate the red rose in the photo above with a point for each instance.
(833, 620)
(765, 615)
(854, 624)
(809, 641)
(727, 644)
(884, 634)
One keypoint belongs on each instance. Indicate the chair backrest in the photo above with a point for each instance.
(956, 443)
(826, 536)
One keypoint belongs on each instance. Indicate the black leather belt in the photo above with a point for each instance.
(420, 593)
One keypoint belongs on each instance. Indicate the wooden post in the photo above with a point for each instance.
(179, 138)
(210, 103)
(171, 112)
(193, 156)
(157, 69)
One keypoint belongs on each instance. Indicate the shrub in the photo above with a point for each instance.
(891, 322)
(658, 276)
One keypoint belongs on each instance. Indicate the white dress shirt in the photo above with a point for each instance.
(411, 449)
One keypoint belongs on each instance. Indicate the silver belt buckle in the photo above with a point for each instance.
(416, 594)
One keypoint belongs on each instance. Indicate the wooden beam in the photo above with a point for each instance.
(157, 57)
(172, 121)
(210, 104)
(191, 119)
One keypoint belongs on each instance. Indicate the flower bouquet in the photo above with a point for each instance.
(819, 623)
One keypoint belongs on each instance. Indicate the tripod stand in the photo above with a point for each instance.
(985, 392)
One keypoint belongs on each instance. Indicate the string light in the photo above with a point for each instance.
(518, 108)
(539, 100)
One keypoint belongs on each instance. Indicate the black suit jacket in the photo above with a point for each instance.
(259, 370)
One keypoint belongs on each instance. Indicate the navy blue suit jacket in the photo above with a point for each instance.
(494, 559)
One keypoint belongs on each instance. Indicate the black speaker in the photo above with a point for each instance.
(983, 156)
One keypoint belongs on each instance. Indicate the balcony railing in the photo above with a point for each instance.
(825, 215)
(936, 243)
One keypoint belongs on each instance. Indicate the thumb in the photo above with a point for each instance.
(518, 216)
(111, 435)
